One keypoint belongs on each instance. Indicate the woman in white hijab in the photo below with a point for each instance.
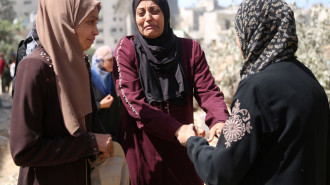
(54, 125)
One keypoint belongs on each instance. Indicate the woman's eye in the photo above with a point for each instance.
(140, 13)
(155, 11)
(92, 22)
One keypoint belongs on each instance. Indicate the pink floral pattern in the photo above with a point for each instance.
(237, 125)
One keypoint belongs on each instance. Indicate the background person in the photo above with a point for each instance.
(107, 101)
(54, 129)
(158, 75)
(6, 78)
(2, 67)
(278, 132)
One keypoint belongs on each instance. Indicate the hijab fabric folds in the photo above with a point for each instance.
(56, 23)
(160, 62)
(267, 33)
(101, 78)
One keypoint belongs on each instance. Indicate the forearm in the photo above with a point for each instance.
(53, 151)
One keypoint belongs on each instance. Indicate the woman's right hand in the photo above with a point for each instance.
(104, 143)
(106, 102)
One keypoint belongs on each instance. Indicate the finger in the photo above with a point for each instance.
(218, 133)
(211, 135)
(110, 147)
(200, 132)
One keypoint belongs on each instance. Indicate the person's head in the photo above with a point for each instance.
(68, 17)
(65, 29)
(2, 55)
(266, 33)
(103, 56)
(87, 29)
(152, 17)
(13, 55)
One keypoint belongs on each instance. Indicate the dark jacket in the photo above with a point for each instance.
(278, 132)
(108, 117)
(39, 141)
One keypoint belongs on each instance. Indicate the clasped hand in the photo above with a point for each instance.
(104, 143)
(186, 131)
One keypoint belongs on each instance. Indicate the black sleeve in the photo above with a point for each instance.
(236, 150)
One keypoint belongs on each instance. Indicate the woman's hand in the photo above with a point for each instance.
(186, 131)
(104, 143)
(106, 102)
(215, 130)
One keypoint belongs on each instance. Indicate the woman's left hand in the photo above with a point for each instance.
(186, 131)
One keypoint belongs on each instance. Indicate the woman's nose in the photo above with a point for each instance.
(148, 17)
(96, 31)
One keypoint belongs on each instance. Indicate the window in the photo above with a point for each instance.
(227, 24)
(113, 30)
(27, 2)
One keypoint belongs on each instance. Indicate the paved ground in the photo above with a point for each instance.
(8, 170)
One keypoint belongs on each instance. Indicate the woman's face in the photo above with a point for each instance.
(87, 30)
(108, 64)
(149, 19)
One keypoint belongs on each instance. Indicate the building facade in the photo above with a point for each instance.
(116, 19)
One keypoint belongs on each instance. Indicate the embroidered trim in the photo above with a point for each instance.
(120, 82)
(237, 125)
(47, 57)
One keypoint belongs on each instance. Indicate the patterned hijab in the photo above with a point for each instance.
(267, 33)
(160, 63)
(56, 23)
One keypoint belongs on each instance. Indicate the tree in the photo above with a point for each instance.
(9, 36)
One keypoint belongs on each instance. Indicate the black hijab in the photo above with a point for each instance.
(267, 33)
(160, 62)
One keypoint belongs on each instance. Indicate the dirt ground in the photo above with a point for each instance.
(8, 170)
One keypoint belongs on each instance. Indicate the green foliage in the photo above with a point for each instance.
(9, 37)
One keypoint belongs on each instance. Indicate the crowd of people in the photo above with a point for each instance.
(67, 111)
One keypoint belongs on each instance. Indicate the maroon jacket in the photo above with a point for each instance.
(147, 134)
(39, 141)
